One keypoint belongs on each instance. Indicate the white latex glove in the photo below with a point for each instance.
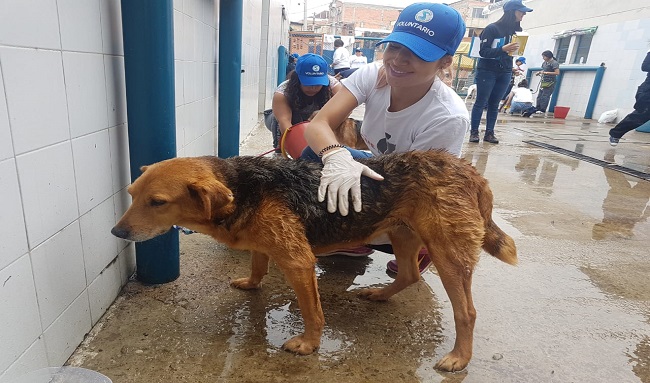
(342, 174)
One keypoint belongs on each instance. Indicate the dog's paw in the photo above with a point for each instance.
(451, 363)
(245, 284)
(374, 294)
(300, 345)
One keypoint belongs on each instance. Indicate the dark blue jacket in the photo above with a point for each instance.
(494, 59)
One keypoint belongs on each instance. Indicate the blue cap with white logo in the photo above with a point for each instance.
(312, 70)
(429, 30)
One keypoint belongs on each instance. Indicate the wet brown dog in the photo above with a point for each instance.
(269, 206)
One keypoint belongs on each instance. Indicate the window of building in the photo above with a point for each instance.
(477, 13)
(562, 49)
(583, 43)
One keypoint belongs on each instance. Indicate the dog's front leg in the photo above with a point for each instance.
(259, 268)
(301, 275)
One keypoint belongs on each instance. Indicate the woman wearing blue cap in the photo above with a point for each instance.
(494, 69)
(407, 106)
(308, 88)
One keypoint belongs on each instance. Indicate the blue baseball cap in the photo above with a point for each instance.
(312, 70)
(429, 30)
(516, 5)
(522, 59)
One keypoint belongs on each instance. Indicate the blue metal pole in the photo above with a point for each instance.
(230, 70)
(595, 89)
(283, 60)
(556, 91)
(148, 34)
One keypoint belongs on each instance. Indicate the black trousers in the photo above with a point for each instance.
(639, 116)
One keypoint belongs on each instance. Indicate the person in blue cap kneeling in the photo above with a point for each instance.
(306, 90)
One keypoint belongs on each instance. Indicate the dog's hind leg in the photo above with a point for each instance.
(259, 268)
(455, 269)
(406, 245)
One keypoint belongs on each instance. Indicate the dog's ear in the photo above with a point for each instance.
(143, 168)
(213, 195)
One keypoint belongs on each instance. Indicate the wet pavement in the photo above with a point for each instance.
(575, 309)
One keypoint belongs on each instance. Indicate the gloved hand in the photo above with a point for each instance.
(342, 174)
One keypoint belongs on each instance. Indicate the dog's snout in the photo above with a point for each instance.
(120, 232)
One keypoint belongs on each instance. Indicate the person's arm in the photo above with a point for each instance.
(554, 73)
(341, 174)
(320, 134)
(490, 33)
(282, 111)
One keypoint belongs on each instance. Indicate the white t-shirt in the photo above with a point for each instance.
(437, 121)
(358, 61)
(522, 95)
(341, 58)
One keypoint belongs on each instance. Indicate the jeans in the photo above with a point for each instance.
(518, 107)
(490, 87)
(309, 155)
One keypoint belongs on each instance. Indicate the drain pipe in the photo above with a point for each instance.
(230, 71)
(148, 34)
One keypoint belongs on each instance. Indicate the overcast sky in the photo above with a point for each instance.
(297, 7)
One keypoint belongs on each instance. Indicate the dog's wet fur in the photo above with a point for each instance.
(269, 206)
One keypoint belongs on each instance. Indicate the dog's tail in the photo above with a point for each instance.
(496, 242)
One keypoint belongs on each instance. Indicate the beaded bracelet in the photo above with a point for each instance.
(328, 147)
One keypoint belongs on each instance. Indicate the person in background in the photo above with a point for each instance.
(291, 65)
(306, 90)
(407, 107)
(518, 74)
(549, 73)
(494, 69)
(341, 58)
(641, 113)
(358, 60)
(520, 98)
(447, 76)
(519, 70)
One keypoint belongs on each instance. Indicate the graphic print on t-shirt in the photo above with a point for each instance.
(385, 146)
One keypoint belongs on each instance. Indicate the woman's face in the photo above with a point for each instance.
(519, 15)
(405, 69)
(310, 90)
(546, 58)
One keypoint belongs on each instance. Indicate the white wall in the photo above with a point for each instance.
(63, 169)
(64, 155)
(196, 43)
(621, 42)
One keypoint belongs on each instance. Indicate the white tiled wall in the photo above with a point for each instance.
(64, 155)
(63, 173)
(195, 58)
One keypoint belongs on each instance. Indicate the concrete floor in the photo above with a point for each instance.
(576, 308)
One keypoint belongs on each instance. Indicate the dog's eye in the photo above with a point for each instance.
(157, 202)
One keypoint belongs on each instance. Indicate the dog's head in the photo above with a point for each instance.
(180, 191)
